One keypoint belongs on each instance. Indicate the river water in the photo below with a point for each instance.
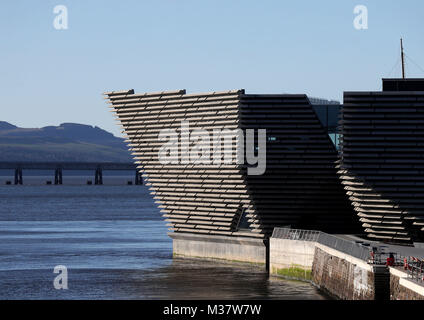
(114, 244)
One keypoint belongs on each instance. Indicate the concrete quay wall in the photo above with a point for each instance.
(235, 249)
(337, 273)
(403, 288)
(291, 258)
(344, 276)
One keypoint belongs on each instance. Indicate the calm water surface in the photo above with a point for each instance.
(113, 241)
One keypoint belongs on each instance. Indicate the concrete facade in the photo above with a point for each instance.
(237, 249)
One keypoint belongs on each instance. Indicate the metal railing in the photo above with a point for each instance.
(295, 234)
(414, 268)
(356, 249)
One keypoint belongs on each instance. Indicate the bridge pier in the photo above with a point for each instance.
(18, 176)
(58, 168)
(98, 177)
(138, 178)
(58, 176)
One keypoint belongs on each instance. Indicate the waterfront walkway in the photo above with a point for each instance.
(386, 248)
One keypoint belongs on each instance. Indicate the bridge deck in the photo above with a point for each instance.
(68, 165)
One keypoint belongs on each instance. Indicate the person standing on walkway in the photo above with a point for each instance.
(390, 260)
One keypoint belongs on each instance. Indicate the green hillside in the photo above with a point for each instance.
(67, 142)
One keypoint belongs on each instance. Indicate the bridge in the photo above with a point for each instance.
(58, 168)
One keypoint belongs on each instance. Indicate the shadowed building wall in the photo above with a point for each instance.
(382, 158)
(300, 187)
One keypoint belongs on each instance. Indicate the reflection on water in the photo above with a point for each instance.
(181, 279)
(194, 279)
(113, 241)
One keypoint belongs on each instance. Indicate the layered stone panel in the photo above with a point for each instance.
(299, 188)
(382, 160)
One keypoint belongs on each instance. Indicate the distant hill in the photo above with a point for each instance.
(66, 142)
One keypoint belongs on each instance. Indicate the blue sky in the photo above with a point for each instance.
(51, 76)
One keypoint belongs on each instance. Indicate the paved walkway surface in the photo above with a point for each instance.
(388, 248)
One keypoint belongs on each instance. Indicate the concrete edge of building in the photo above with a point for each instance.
(235, 249)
